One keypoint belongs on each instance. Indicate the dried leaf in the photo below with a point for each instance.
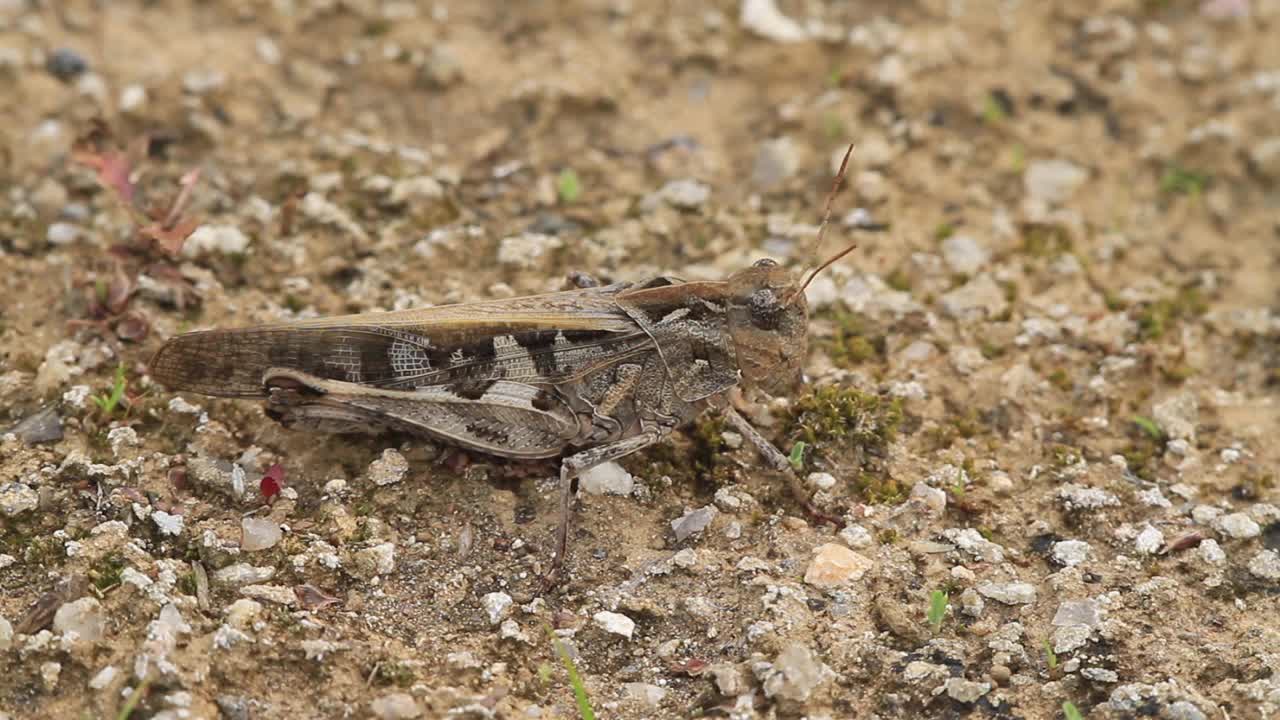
(133, 327)
(119, 292)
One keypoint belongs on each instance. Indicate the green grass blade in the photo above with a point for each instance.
(579, 690)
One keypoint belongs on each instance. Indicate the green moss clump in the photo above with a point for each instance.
(1060, 379)
(833, 414)
(1155, 318)
(855, 340)
(1045, 241)
(1179, 180)
(898, 280)
(833, 418)
(105, 574)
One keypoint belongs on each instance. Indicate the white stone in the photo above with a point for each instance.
(777, 161)
(224, 239)
(243, 612)
(121, 439)
(84, 617)
(1211, 552)
(258, 534)
(132, 98)
(243, 574)
(963, 254)
(1237, 525)
(104, 677)
(278, 594)
(377, 560)
(763, 18)
(1266, 565)
(1149, 541)
(1071, 553)
(496, 605)
(645, 694)
(169, 524)
(396, 706)
(965, 691)
(972, 542)
(6, 634)
(1177, 415)
(932, 497)
(979, 297)
(856, 536)
(686, 194)
(1011, 593)
(616, 623)
(17, 498)
(607, 478)
(694, 521)
(62, 233)
(388, 469)
(1053, 181)
(822, 480)
(527, 250)
(795, 674)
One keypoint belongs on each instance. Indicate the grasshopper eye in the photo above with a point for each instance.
(766, 311)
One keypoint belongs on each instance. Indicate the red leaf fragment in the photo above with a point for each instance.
(1185, 542)
(113, 168)
(311, 597)
(271, 483)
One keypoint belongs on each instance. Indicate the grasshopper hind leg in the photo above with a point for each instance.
(570, 468)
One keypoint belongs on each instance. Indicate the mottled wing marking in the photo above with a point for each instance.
(549, 338)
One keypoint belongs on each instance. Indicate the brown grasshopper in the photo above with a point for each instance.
(588, 375)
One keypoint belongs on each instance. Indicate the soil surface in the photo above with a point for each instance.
(1042, 396)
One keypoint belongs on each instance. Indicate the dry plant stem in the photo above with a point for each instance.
(779, 462)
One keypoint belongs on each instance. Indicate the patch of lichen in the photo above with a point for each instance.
(1156, 318)
(855, 340)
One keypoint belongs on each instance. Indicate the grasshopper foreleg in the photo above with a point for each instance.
(774, 457)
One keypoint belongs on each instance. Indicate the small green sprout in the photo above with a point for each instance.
(937, 609)
(992, 111)
(797, 456)
(131, 702)
(1149, 426)
(1178, 180)
(579, 690)
(108, 403)
(568, 186)
(1069, 710)
(1049, 655)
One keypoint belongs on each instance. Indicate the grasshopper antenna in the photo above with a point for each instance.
(822, 228)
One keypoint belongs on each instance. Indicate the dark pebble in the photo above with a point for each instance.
(66, 64)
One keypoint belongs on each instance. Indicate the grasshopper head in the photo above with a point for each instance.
(769, 323)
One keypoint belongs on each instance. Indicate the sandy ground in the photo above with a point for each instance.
(1044, 399)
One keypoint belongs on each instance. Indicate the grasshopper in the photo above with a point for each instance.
(587, 375)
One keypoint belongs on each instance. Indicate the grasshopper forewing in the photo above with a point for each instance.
(586, 375)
